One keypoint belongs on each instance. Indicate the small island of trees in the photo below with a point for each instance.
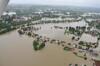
(37, 45)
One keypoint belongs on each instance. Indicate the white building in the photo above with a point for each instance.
(56, 19)
(9, 13)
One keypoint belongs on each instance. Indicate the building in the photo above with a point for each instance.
(97, 63)
(9, 13)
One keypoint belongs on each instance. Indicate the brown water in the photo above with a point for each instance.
(16, 50)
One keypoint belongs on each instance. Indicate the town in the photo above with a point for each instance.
(75, 30)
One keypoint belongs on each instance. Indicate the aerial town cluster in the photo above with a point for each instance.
(75, 31)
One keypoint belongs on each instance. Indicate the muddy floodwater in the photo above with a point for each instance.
(17, 50)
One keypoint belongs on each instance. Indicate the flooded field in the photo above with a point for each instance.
(17, 50)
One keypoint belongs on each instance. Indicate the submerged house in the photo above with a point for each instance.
(96, 57)
(97, 63)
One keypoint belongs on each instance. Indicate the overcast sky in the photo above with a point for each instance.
(90, 3)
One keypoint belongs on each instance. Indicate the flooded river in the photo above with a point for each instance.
(16, 50)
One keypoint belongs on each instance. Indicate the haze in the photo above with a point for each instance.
(89, 3)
